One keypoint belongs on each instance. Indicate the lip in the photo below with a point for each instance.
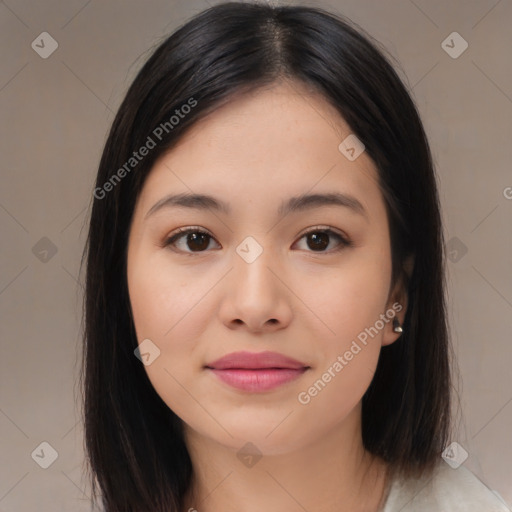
(256, 372)
(255, 361)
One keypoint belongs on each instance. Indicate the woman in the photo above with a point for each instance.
(265, 314)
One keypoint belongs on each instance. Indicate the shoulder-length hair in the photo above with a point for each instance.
(134, 443)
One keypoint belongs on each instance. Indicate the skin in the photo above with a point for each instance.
(254, 152)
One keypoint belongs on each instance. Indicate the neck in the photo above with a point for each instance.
(333, 473)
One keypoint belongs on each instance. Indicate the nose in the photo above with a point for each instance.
(255, 296)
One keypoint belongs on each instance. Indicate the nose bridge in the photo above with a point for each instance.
(252, 262)
(253, 295)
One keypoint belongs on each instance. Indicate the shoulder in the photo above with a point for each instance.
(449, 490)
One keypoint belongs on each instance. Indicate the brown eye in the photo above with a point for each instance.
(195, 240)
(190, 240)
(199, 241)
(318, 240)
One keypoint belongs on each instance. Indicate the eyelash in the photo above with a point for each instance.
(173, 237)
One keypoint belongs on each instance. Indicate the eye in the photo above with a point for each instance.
(319, 238)
(197, 240)
(194, 239)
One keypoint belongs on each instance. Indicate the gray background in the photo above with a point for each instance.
(55, 117)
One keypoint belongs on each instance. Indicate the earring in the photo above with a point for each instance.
(396, 326)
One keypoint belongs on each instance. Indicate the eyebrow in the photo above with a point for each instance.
(293, 204)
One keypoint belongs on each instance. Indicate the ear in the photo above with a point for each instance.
(396, 306)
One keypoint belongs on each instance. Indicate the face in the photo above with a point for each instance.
(249, 271)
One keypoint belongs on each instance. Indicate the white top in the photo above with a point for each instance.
(449, 490)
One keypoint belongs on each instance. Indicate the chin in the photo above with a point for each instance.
(268, 438)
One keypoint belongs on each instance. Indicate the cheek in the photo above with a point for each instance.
(170, 307)
(161, 298)
(166, 308)
(352, 308)
(352, 304)
(346, 301)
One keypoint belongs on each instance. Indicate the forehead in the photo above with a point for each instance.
(278, 141)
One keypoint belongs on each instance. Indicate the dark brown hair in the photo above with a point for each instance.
(134, 444)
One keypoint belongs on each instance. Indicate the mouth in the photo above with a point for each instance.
(254, 381)
(257, 372)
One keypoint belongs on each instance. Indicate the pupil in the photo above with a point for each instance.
(320, 240)
(194, 238)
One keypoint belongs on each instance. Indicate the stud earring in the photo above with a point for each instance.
(396, 326)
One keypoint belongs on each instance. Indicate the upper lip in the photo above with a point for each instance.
(255, 361)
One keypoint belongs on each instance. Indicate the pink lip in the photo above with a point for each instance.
(256, 372)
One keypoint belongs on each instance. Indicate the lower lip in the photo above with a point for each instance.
(258, 380)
